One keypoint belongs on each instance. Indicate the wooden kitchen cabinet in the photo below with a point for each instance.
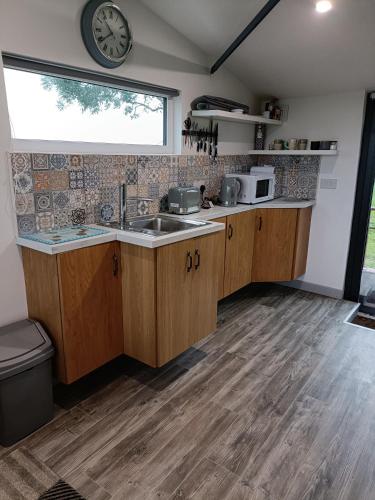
(238, 251)
(281, 242)
(169, 297)
(77, 296)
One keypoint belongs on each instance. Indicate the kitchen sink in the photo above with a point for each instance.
(156, 225)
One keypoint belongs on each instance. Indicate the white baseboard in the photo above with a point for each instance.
(314, 288)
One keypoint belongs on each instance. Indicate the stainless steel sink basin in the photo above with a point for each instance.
(156, 225)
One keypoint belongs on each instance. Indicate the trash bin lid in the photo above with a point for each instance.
(22, 345)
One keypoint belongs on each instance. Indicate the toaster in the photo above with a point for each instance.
(184, 200)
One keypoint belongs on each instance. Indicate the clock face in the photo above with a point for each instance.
(111, 32)
(106, 33)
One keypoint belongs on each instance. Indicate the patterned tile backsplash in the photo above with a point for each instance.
(56, 190)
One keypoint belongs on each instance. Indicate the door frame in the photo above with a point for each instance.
(362, 204)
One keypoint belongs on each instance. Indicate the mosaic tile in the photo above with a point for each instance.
(20, 162)
(143, 161)
(107, 160)
(92, 197)
(75, 162)
(45, 221)
(58, 161)
(61, 199)
(43, 201)
(41, 181)
(77, 198)
(131, 175)
(131, 207)
(173, 161)
(143, 207)
(150, 175)
(173, 173)
(107, 211)
(154, 207)
(108, 176)
(90, 216)
(131, 160)
(163, 189)
(59, 180)
(182, 161)
(194, 172)
(91, 160)
(182, 174)
(78, 216)
(26, 224)
(76, 179)
(132, 190)
(92, 178)
(39, 161)
(191, 161)
(62, 218)
(109, 195)
(142, 190)
(23, 182)
(164, 160)
(153, 191)
(24, 204)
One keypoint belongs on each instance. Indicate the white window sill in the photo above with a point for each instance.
(35, 146)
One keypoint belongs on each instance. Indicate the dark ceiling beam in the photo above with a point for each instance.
(245, 33)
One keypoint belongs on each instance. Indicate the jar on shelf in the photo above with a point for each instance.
(260, 136)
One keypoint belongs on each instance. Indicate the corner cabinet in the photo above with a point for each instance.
(169, 297)
(281, 244)
(77, 296)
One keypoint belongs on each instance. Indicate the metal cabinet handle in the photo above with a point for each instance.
(230, 232)
(260, 223)
(189, 262)
(197, 259)
(115, 265)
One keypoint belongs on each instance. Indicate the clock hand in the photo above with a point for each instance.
(108, 27)
(105, 38)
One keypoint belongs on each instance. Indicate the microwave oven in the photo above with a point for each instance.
(255, 187)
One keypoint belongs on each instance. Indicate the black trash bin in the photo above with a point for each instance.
(26, 401)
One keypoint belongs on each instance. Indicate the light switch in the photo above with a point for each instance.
(328, 183)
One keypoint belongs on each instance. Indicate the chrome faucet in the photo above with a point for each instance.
(122, 205)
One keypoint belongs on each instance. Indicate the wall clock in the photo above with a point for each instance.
(106, 33)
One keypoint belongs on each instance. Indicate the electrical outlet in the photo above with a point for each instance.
(328, 183)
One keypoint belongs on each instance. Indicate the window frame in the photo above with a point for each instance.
(170, 96)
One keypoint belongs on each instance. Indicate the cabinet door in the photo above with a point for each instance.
(204, 290)
(139, 302)
(90, 294)
(174, 299)
(274, 244)
(302, 242)
(239, 251)
(219, 253)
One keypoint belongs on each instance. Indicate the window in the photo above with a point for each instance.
(46, 107)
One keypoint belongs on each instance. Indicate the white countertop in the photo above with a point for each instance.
(123, 236)
(217, 211)
(157, 241)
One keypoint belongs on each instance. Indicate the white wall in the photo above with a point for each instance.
(50, 30)
(340, 117)
(12, 290)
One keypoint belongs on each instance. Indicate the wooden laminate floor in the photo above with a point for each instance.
(278, 404)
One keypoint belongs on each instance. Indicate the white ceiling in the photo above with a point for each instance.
(293, 52)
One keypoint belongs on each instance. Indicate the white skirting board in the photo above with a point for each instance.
(335, 293)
